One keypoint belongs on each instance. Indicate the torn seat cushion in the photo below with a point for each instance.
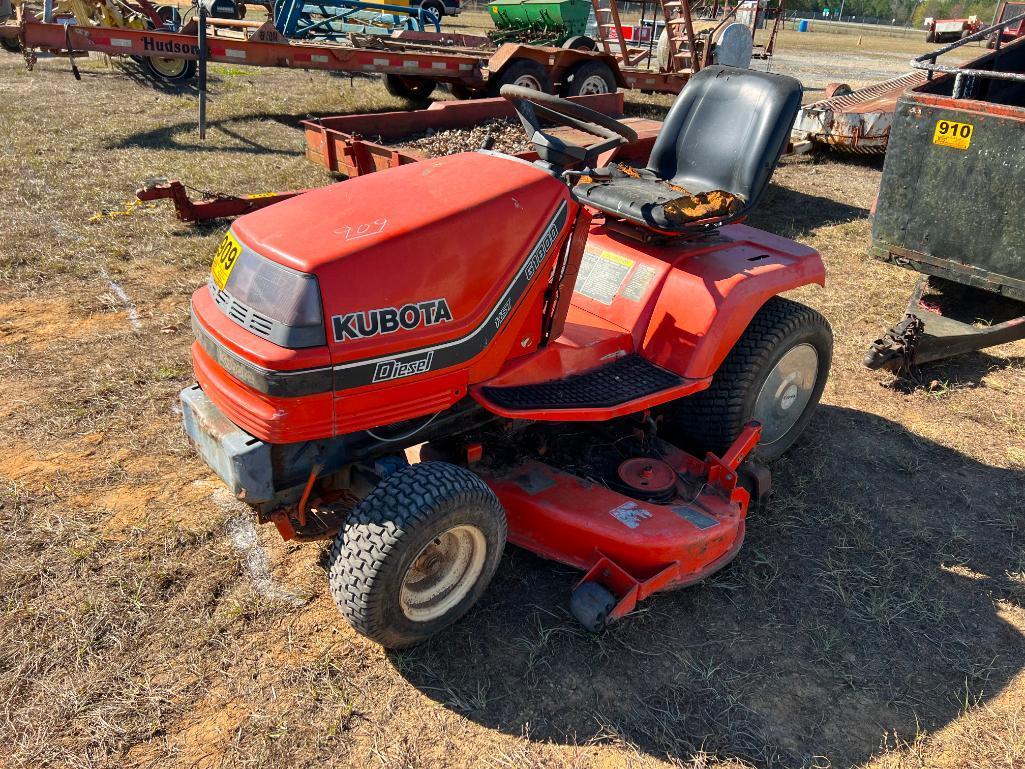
(638, 195)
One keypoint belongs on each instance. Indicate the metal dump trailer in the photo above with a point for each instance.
(951, 204)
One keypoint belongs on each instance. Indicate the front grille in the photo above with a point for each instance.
(241, 313)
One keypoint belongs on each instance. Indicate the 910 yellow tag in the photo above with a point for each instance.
(225, 260)
(950, 133)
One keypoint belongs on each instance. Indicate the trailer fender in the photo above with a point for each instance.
(706, 303)
(557, 61)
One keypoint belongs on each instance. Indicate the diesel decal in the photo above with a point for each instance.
(388, 320)
(396, 369)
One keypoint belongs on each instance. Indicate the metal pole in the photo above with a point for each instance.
(201, 35)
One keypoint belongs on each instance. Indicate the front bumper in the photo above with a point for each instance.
(242, 461)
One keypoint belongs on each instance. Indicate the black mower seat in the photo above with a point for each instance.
(725, 131)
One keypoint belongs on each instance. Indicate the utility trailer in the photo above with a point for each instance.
(355, 145)
(950, 206)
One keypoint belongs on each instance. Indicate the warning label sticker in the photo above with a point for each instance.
(601, 275)
(638, 283)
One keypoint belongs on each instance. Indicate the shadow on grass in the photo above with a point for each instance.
(863, 603)
(794, 214)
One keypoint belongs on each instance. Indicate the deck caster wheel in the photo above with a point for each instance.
(416, 553)
(591, 605)
(774, 374)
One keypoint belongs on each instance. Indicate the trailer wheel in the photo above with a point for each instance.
(417, 553)
(580, 43)
(409, 87)
(589, 77)
(775, 373)
(462, 92)
(169, 70)
(522, 72)
(11, 45)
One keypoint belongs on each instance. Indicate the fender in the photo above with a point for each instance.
(710, 297)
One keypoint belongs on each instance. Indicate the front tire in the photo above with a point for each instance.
(417, 553)
(775, 374)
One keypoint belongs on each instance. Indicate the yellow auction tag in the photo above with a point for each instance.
(225, 259)
(950, 133)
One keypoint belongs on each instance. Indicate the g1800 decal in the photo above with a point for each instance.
(387, 320)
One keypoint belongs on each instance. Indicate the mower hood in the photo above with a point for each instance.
(419, 255)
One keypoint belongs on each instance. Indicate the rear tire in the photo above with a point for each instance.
(790, 343)
(589, 77)
(10, 45)
(521, 72)
(417, 553)
(409, 87)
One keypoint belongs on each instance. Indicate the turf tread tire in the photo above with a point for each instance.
(365, 563)
(713, 418)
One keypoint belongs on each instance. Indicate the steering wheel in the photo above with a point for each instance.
(531, 105)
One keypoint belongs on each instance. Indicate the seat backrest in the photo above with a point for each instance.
(726, 131)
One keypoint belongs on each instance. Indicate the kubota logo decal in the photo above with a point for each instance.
(388, 320)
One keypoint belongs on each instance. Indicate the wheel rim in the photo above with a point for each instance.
(786, 392)
(528, 81)
(443, 573)
(169, 68)
(593, 85)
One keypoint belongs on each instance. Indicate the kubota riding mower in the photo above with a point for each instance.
(552, 336)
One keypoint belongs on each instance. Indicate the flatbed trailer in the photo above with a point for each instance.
(472, 72)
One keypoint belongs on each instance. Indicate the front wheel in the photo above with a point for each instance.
(417, 553)
(774, 374)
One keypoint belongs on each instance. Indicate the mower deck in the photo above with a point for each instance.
(630, 545)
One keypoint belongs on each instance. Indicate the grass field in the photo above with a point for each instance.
(874, 618)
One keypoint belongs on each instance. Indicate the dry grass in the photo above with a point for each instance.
(874, 617)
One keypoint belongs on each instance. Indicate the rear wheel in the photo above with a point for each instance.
(524, 73)
(10, 45)
(589, 77)
(409, 87)
(417, 553)
(169, 70)
(774, 374)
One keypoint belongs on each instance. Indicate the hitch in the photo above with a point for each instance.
(214, 206)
